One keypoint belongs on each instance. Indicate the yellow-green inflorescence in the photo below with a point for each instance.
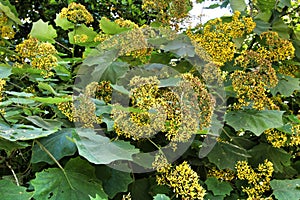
(40, 55)
(6, 29)
(164, 110)
(182, 179)
(77, 14)
(258, 180)
(217, 37)
(280, 139)
(82, 110)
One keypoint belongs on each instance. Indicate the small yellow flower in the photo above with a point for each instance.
(77, 13)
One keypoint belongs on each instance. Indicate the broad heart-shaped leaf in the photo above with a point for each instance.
(64, 23)
(181, 46)
(237, 5)
(10, 11)
(57, 144)
(52, 183)
(10, 191)
(100, 150)
(114, 181)
(43, 32)
(218, 187)
(22, 132)
(110, 27)
(161, 197)
(281, 28)
(286, 189)
(278, 157)
(254, 121)
(47, 124)
(225, 155)
(286, 85)
(5, 70)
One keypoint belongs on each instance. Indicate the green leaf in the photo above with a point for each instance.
(266, 4)
(52, 100)
(286, 85)
(47, 87)
(286, 189)
(64, 23)
(121, 89)
(254, 121)
(100, 150)
(218, 187)
(169, 82)
(238, 5)
(22, 132)
(97, 198)
(82, 30)
(140, 189)
(181, 46)
(161, 197)
(43, 32)
(10, 191)
(114, 71)
(52, 183)
(225, 155)
(261, 26)
(278, 157)
(281, 28)
(57, 144)
(47, 124)
(5, 70)
(111, 28)
(114, 181)
(19, 94)
(10, 12)
(9, 146)
(265, 16)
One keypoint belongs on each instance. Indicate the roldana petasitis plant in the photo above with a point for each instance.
(102, 102)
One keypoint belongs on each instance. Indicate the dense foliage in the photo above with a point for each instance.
(114, 100)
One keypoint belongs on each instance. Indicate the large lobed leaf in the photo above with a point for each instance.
(42, 31)
(100, 150)
(52, 183)
(286, 189)
(254, 121)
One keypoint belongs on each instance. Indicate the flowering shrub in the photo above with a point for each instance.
(98, 104)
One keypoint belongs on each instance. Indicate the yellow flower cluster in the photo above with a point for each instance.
(224, 175)
(82, 110)
(276, 138)
(127, 197)
(6, 29)
(178, 113)
(216, 38)
(258, 180)
(181, 178)
(280, 139)
(40, 54)
(82, 38)
(295, 138)
(2, 84)
(100, 37)
(126, 23)
(274, 48)
(252, 83)
(168, 9)
(77, 14)
(67, 108)
(149, 117)
(288, 69)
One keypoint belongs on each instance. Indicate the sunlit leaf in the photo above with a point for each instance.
(42, 31)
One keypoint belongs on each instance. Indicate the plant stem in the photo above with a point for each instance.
(52, 157)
